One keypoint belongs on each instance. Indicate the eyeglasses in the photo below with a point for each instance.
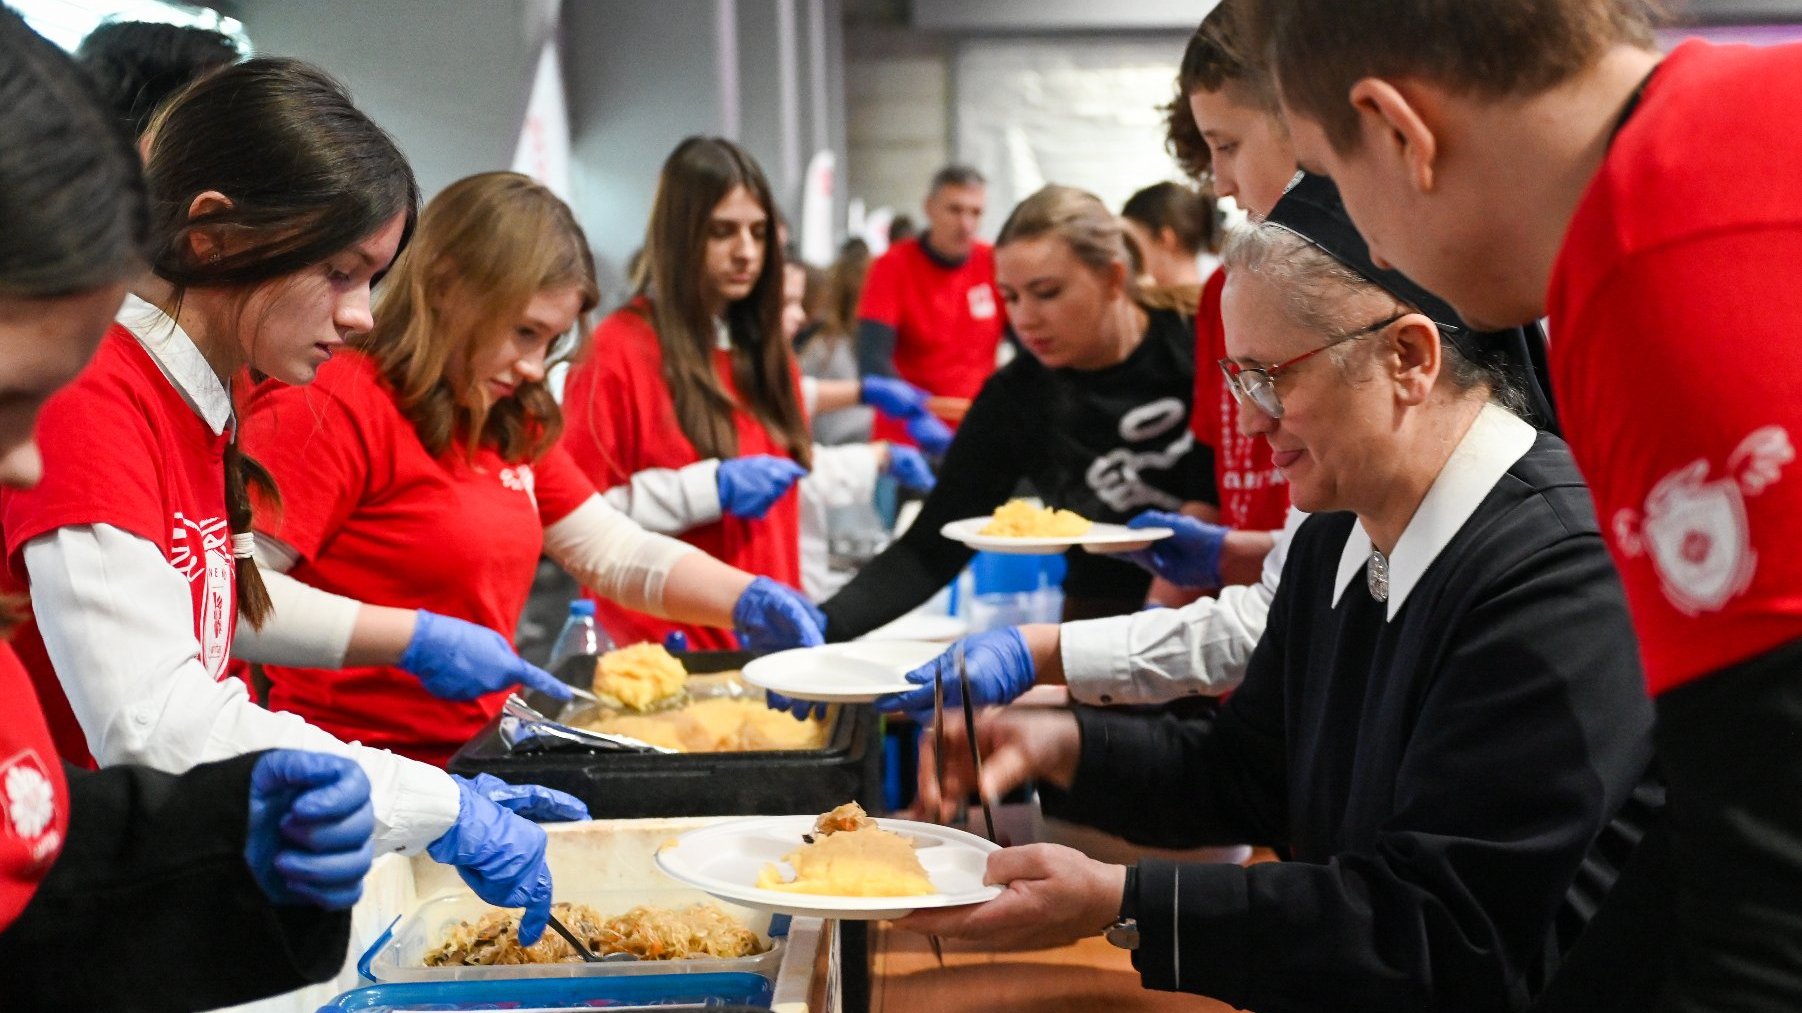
(1256, 385)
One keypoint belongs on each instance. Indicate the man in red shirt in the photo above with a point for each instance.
(1658, 225)
(930, 313)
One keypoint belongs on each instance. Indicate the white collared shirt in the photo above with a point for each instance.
(117, 621)
(1495, 441)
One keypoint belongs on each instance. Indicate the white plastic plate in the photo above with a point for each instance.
(725, 859)
(1100, 538)
(857, 672)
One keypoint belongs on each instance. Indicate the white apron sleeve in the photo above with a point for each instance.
(1161, 655)
(612, 556)
(118, 621)
(670, 501)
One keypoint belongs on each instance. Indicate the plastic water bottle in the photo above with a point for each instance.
(581, 636)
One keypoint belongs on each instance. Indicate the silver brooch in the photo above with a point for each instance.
(1378, 575)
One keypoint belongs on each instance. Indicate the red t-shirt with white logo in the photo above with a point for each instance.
(1254, 494)
(34, 800)
(947, 320)
(619, 419)
(1675, 351)
(121, 447)
(375, 517)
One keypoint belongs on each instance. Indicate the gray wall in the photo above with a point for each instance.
(450, 81)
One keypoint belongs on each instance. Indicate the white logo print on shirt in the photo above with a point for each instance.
(1118, 475)
(202, 550)
(1695, 528)
(521, 479)
(29, 803)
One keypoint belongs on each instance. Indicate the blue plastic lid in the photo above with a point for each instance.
(551, 993)
(581, 607)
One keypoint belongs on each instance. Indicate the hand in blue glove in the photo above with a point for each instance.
(457, 660)
(501, 857)
(1190, 558)
(802, 709)
(897, 399)
(998, 663)
(932, 435)
(909, 468)
(310, 828)
(749, 486)
(770, 616)
(533, 801)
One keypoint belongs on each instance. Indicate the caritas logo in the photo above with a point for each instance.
(28, 805)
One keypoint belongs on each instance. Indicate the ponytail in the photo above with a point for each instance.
(242, 473)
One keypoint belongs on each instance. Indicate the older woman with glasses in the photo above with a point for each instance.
(1442, 726)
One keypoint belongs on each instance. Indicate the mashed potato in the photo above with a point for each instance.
(1020, 518)
(639, 676)
(717, 725)
(867, 862)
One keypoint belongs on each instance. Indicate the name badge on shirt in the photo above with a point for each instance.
(982, 303)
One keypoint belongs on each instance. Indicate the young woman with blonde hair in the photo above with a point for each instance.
(1095, 417)
(423, 470)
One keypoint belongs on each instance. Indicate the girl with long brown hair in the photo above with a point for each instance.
(275, 204)
(696, 367)
(436, 430)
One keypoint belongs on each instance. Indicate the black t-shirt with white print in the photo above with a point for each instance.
(1106, 443)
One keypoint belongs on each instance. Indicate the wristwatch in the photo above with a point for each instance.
(1124, 932)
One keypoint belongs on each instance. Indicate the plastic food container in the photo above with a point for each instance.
(664, 993)
(619, 785)
(399, 954)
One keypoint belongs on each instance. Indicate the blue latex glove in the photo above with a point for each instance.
(802, 709)
(310, 829)
(501, 857)
(1189, 558)
(895, 398)
(458, 660)
(770, 617)
(909, 467)
(533, 801)
(932, 435)
(998, 663)
(749, 486)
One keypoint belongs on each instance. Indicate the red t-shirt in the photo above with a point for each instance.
(375, 517)
(122, 447)
(1674, 350)
(34, 800)
(947, 320)
(620, 419)
(1254, 494)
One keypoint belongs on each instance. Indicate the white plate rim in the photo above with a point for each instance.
(811, 904)
(756, 671)
(966, 531)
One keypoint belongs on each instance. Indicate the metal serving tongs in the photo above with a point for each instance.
(963, 685)
(938, 768)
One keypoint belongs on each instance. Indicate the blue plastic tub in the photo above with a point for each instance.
(544, 994)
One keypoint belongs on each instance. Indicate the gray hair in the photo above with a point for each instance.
(1316, 290)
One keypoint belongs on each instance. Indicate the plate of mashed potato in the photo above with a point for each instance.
(840, 865)
(1023, 527)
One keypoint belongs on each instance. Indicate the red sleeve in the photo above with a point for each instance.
(1678, 383)
(598, 399)
(318, 443)
(1210, 348)
(561, 486)
(102, 463)
(881, 299)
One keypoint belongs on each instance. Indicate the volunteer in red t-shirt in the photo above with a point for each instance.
(233, 879)
(1659, 228)
(930, 313)
(379, 472)
(695, 367)
(136, 547)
